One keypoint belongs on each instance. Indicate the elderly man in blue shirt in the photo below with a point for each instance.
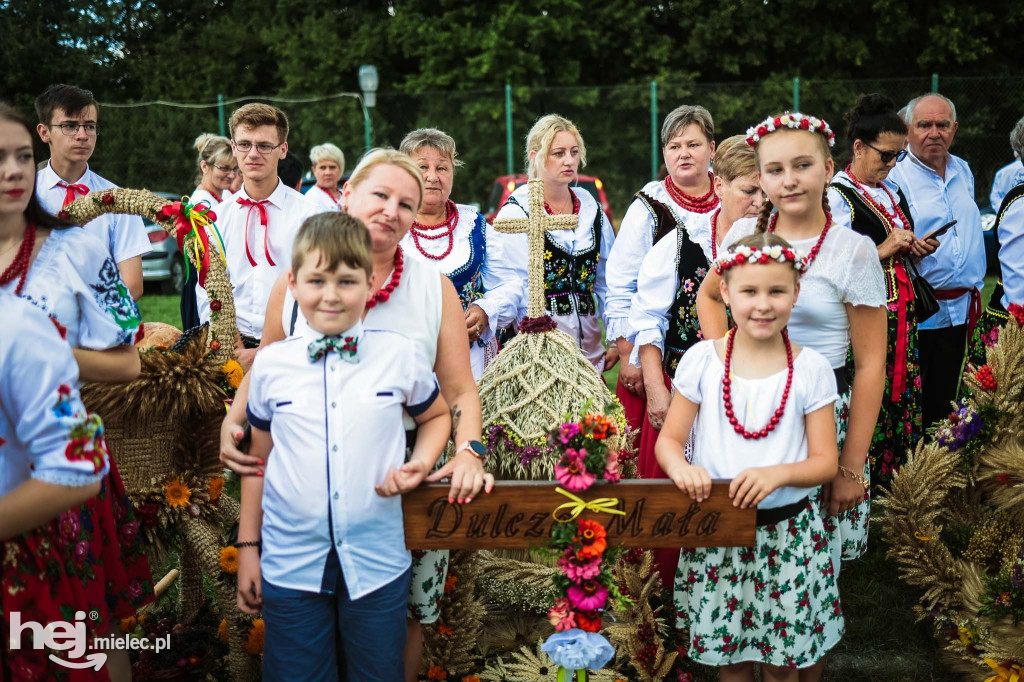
(940, 188)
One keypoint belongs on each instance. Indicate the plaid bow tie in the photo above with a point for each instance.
(343, 346)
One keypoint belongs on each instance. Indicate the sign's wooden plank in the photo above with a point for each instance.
(518, 514)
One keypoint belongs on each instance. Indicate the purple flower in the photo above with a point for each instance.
(81, 552)
(588, 595)
(566, 432)
(135, 589)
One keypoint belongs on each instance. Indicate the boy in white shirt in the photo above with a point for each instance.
(325, 408)
(258, 222)
(68, 124)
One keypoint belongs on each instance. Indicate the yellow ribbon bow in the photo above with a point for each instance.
(579, 505)
(1010, 674)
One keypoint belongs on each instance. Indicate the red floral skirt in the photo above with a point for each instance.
(89, 559)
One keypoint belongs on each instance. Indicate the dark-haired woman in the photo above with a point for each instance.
(862, 198)
(69, 274)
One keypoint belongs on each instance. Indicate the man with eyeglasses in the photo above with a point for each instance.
(68, 124)
(940, 189)
(258, 222)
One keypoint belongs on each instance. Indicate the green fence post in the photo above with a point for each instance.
(654, 130)
(935, 82)
(796, 93)
(220, 113)
(508, 128)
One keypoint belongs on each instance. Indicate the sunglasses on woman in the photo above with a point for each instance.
(888, 155)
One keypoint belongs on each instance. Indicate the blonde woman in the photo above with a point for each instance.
(574, 260)
(328, 166)
(414, 298)
(217, 169)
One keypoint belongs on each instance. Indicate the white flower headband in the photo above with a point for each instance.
(796, 121)
(743, 254)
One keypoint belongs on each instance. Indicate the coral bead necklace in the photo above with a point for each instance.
(809, 258)
(449, 224)
(19, 266)
(727, 390)
(897, 212)
(384, 293)
(701, 204)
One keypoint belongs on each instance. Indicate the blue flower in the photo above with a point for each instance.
(578, 650)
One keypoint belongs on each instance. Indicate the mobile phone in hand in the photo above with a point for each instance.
(935, 234)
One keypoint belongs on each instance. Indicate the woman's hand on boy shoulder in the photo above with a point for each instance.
(692, 480)
(403, 480)
(250, 593)
(753, 485)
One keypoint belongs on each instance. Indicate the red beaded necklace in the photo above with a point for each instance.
(727, 390)
(693, 204)
(19, 266)
(575, 205)
(809, 258)
(891, 217)
(450, 222)
(714, 235)
(384, 293)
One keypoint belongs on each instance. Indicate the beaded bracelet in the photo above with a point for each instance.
(860, 478)
(251, 543)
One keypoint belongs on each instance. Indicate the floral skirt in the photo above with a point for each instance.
(90, 558)
(847, 532)
(899, 421)
(776, 602)
(986, 333)
(429, 571)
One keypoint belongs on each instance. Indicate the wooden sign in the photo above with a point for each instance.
(518, 514)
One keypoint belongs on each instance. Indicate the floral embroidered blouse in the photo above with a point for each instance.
(45, 432)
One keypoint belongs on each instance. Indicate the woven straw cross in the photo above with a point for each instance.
(534, 226)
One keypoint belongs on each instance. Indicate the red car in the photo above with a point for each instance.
(506, 184)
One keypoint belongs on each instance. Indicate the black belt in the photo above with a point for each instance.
(249, 341)
(842, 380)
(773, 515)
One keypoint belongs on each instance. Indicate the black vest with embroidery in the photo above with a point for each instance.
(866, 221)
(569, 277)
(995, 302)
(691, 269)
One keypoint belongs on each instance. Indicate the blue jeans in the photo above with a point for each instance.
(301, 634)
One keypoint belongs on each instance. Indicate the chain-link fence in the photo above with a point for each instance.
(151, 145)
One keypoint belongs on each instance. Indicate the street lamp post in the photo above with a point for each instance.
(368, 82)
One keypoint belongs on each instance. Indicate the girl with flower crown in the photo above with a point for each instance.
(759, 410)
(842, 304)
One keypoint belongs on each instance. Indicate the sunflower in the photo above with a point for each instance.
(254, 640)
(229, 560)
(232, 372)
(222, 631)
(215, 488)
(177, 493)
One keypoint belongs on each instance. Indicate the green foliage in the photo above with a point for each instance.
(444, 64)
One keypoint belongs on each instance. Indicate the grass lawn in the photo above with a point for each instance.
(883, 642)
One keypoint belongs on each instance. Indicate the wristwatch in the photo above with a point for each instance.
(478, 449)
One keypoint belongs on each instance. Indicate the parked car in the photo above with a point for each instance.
(506, 184)
(165, 263)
